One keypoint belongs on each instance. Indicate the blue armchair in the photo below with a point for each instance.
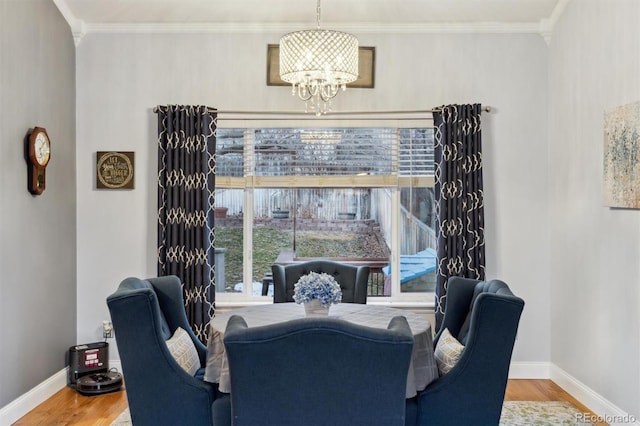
(145, 314)
(317, 372)
(484, 317)
(353, 279)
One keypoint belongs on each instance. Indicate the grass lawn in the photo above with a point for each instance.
(268, 242)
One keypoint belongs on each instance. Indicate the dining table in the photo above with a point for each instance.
(422, 369)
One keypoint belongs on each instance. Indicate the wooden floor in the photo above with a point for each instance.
(70, 408)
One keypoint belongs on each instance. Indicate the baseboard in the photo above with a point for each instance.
(17, 408)
(604, 409)
(30, 400)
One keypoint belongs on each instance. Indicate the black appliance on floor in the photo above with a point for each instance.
(89, 369)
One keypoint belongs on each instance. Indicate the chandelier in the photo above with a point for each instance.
(318, 63)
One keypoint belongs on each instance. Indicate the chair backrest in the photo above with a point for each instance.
(146, 313)
(318, 372)
(462, 295)
(484, 317)
(353, 279)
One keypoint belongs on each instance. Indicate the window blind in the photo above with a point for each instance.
(324, 151)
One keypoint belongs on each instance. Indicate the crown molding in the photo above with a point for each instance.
(358, 28)
(80, 28)
(547, 25)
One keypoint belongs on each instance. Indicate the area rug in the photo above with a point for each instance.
(514, 413)
(541, 413)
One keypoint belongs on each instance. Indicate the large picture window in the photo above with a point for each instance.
(354, 194)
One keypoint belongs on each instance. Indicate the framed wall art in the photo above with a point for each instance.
(114, 170)
(622, 156)
(366, 67)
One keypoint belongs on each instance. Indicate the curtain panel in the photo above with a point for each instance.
(459, 197)
(186, 185)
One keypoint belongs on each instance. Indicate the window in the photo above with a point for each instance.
(354, 194)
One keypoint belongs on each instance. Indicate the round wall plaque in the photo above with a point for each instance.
(114, 170)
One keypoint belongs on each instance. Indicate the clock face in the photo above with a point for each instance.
(42, 149)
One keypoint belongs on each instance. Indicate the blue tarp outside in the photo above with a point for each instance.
(415, 265)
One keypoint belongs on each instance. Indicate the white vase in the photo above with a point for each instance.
(314, 308)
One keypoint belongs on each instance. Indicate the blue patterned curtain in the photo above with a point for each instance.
(186, 183)
(459, 197)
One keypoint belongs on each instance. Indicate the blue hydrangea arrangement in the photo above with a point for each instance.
(319, 286)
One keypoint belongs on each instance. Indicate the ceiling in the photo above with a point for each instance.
(283, 15)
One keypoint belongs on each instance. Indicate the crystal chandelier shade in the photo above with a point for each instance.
(318, 63)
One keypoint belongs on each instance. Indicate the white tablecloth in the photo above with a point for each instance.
(422, 370)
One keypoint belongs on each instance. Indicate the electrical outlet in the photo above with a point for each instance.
(107, 329)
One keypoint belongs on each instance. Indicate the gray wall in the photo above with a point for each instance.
(595, 250)
(37, 234)
(121, 77)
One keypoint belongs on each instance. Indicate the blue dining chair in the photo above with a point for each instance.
(483, 317)
(317, 372)
(145, 314)
(353, 279)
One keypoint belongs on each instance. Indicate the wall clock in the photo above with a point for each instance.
(39, 148)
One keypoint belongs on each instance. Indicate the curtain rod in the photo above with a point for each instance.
(328, 115)
(425, 111)
(322, 117)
